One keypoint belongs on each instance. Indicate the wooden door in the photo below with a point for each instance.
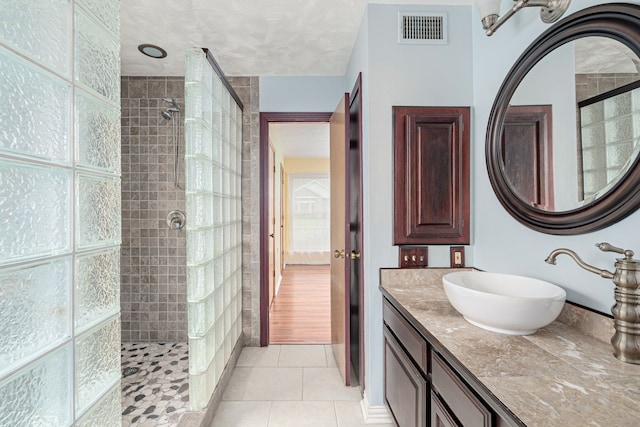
(272, 222)
(340, 238)
(527, 147)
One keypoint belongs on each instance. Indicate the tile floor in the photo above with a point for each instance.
(155, 383)
(289, 385)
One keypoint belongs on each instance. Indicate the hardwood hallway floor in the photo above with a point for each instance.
(301, 312)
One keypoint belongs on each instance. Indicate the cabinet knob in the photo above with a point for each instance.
(338, 253)
(355, 254)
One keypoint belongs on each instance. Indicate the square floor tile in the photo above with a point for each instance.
(259, 356)
(349, 414)
(299, 414)
(331, 360)
(326, 384)
(242, 414)
(274, 384)
(237, 384)
(303, 356)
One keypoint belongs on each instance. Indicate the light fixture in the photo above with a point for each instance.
(550, 11)
(152, 51)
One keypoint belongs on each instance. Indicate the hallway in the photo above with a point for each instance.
(289, 385)
(301, 312)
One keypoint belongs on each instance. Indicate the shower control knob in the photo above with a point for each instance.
(176, 220)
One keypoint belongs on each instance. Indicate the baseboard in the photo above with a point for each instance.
(374, 414)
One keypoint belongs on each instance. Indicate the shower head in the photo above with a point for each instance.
(173, 103)
(168, 113)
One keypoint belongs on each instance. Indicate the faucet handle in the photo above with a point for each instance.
(606, 247)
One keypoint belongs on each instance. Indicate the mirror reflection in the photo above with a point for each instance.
(573, 125)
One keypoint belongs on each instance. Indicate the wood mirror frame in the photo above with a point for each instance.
(619, 22)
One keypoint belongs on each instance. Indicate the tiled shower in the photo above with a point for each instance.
(185, 284)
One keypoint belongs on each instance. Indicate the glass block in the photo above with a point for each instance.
(197, 68)
(199, 245)
(216, 120)
(619, 129)
(98, 215)
(618, 105)
(198, 139)
(200, 279)
(198, 175)
(201, 387)
(97, 363)
(618, 155)
(25, 24)
(98, 140)
(593, 135)
(635, 99)
(97, 287)
(216, 145)
(218, 241)
(105, 12)
(105, 413)
(97, 58)
(593, 113)
(217, 178)
(218, 271)
(201, 351)
(35, 207)
(594, 181)
(201, 316)
(34, 310)
(594, 158)
(39, 395)
(35, 117)
(199, 210)
(197, 102)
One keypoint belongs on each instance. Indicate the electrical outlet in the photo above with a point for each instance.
(457, 256)
(413, 257)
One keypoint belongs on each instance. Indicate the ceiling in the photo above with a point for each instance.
(300, 140)
(247, 37)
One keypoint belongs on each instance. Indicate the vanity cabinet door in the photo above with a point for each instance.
(405, 389)
(440, 417)
(431, 175)
(464, 405)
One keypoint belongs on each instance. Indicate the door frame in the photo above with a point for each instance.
(265, 119)
(355, 101)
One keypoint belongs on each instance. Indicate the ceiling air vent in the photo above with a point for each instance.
(422, 28)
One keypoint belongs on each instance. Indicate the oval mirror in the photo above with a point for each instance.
(563, 139)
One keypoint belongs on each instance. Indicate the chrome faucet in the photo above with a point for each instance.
(626, 310)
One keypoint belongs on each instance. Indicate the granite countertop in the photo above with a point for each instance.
(559, 376)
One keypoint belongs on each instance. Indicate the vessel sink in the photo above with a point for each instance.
(504, 303)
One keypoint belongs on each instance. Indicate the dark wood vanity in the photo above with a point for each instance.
(426, 386)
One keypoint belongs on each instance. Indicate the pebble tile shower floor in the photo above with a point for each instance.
(155, 383)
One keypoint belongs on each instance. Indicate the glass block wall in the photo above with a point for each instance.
(213, 133)
(60, 213)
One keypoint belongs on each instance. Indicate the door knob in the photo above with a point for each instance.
(355, 255)
(338, 253)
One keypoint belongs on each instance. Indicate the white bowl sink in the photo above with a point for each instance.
(504, 303)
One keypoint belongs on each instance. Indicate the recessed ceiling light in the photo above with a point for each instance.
(152, 50)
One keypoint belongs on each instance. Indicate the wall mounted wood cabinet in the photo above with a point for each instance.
(431, 175)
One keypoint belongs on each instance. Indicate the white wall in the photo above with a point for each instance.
(300, 93)
(396, 74)
(501, 243)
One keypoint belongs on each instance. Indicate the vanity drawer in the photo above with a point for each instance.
(414, 344)
(470, 411)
